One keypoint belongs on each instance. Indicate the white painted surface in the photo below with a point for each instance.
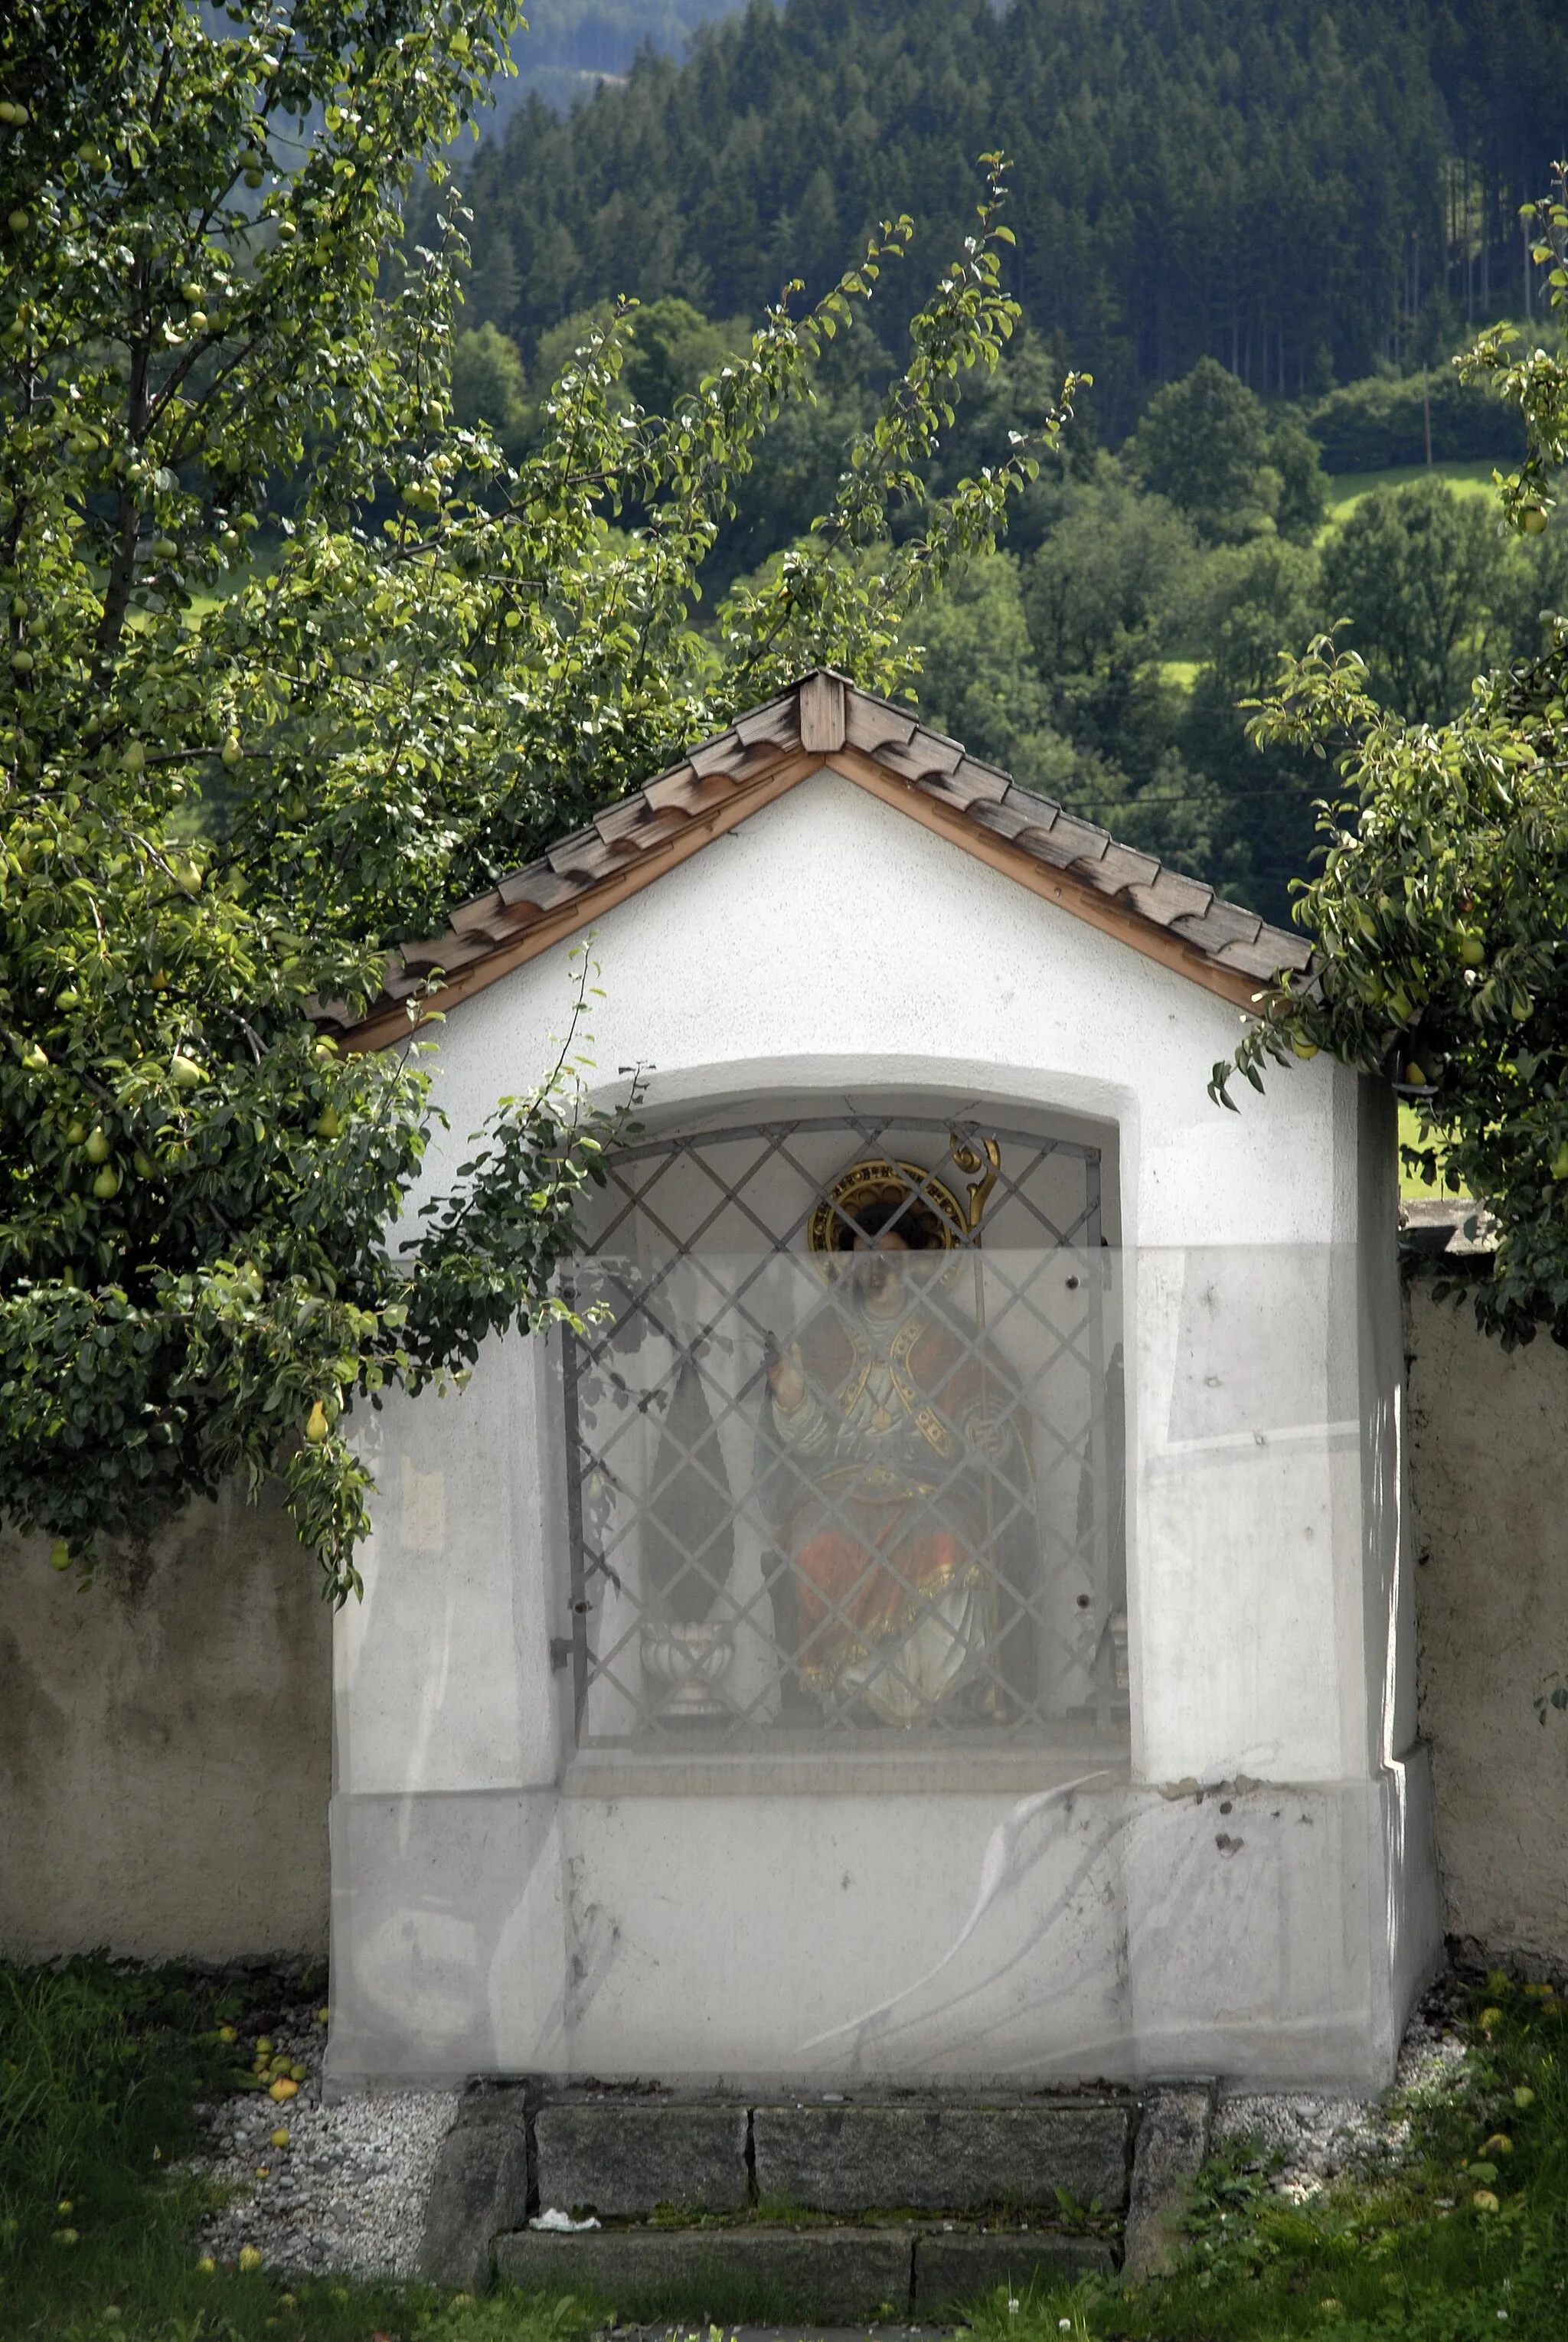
(442, 1676)
(831, 943)
(1273, 1936)
(830, 949)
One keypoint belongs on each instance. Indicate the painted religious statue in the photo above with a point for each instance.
(894, 1469)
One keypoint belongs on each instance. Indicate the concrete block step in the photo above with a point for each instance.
(624, 2157)
(954, 2270)
(873, 2168)
(934, 2158)
(620, 2158)
(823, 2275)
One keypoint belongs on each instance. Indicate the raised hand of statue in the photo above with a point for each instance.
(991, 1437)
(785, 1379)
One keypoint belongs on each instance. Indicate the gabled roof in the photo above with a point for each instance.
(825, 721)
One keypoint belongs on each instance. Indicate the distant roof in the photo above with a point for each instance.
(825, 721)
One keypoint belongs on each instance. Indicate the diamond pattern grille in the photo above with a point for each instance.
(921, 1532)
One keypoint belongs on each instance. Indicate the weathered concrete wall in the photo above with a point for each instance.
(165, 1743)
(1489, 1472)
(165, 1738)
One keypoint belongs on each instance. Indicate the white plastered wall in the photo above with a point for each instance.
(831, 948)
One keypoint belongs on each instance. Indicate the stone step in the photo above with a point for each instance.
(622, 2157)
(953, 2268)
(997, 2172)
(825, 2276)
(941, 2158)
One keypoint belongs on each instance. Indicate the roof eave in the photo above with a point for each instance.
(825, 722)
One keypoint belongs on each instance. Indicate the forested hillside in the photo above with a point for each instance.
(1263, 226)
(569, 45)
(1299, 189)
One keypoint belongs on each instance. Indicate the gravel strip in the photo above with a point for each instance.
(1319, 2138)
(347, 2195)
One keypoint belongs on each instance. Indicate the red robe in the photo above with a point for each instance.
(882, 1510)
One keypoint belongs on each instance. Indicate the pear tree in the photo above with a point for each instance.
(292, 662)
(1441, 910)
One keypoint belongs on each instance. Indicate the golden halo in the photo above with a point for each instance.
(929, 1209)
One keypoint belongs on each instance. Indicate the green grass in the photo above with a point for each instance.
(1346, 489)
(1401, 2254)
(100, 2067)
(1411, 1185)
(1412, 1188)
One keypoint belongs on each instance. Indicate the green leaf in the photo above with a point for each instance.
(304, 553)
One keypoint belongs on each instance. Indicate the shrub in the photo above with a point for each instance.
(1378, 424)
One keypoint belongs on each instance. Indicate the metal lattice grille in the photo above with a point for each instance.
(843, 1450)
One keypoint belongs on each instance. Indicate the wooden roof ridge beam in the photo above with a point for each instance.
(822, 712)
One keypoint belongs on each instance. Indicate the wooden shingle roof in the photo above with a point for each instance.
(821, 722)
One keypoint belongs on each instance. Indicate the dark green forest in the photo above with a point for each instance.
(1299, 188)
(1265, 226)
